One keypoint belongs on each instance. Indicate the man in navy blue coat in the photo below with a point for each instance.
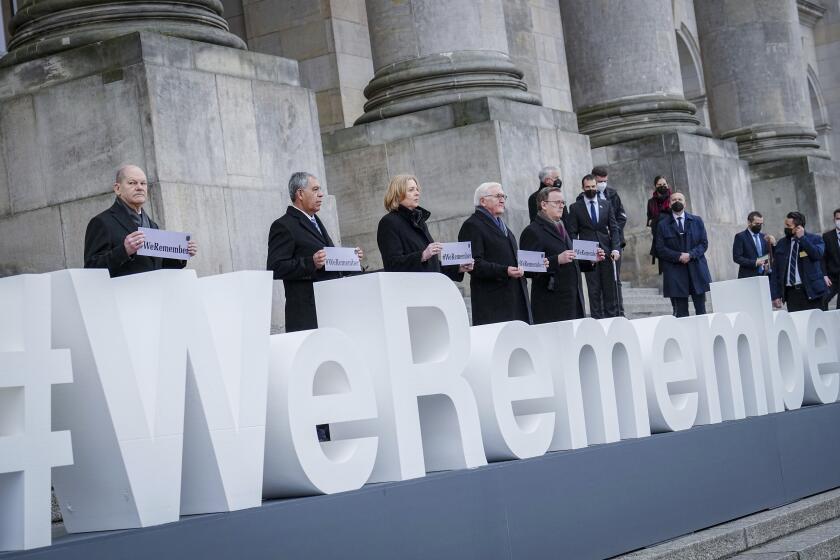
(681, 245)
(797, 278)
(750, 246)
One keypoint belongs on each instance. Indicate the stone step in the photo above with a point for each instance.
(807, 529)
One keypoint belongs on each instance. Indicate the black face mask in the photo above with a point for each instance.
(788, 232)
(557, 183)
(590, 194)
(756, 229)
(661, 190)
(677, 207)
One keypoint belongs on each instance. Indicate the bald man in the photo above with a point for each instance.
(112, 239)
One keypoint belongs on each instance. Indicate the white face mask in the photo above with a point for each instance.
(837, 224)
(601, 186)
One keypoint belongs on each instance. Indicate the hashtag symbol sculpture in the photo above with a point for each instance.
(28, 446)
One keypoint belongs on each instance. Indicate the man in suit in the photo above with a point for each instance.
(593, 219)
(831, 262)
(296, 253)
(558, 295)
(549, 177)
(681, 244)
(751, 248)
(112, 238)
(497, 283)
(797, 278)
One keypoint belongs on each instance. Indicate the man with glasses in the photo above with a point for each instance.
(558, 295)
(497, 283)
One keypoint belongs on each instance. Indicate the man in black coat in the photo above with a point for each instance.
(558, 295)
(750, 246)
(112, 238)
(593, 219)
(831, 261)
(497, 283)
(296, 253)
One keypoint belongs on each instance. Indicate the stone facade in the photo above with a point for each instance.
(733, 100)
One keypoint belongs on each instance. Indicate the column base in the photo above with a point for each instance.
(634, 118)
(773, 142)
(708, 171)
(440, 79)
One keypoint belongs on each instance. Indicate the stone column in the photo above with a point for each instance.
(625, 70)
(44, 27)
(755, 77)
(428, 53)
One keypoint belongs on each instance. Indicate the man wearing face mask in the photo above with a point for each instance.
(797, 278)
(609, 194)
(831, 261)
(751, 248)
(658, 205)
(592, 219)
(681, 244)
(549, 177)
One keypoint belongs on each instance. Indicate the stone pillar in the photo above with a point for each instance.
(625, 70)
(43, 27)
(427, 53)
(756, 79)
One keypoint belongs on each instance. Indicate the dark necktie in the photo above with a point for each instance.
(794, 259)
(680, 225)
(592, 212)
(501, 225)
(315, 225)
(562, 231)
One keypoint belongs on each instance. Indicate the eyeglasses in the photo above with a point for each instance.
(557, 202)
(500, 196)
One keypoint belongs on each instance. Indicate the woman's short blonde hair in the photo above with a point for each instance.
(396, 191)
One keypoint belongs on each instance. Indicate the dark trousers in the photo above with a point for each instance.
(603, 298)
(619, 293)
(832, 291)
(797, 300)
(680, 305)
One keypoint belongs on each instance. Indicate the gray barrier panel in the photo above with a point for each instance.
(589, 503)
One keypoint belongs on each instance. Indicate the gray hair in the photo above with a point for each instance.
(482, 191)
(299, 180)
(548, 170)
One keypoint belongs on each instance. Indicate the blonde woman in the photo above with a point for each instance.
(403, 237)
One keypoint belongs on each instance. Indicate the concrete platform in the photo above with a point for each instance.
(591, 503)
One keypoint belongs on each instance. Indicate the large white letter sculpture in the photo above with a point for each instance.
(413, 331)
(227, 380)
(782, 363)
(819, 355)
(510, 374)
(28, 446)
(126, 405)
(318, 377)
(670, 373)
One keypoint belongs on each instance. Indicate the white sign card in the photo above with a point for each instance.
(585, 250)
(532, 261)
(166, 244)
(342, 259)
(459, 252)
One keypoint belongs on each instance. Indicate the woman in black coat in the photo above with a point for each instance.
(403, 236)
(557, 295)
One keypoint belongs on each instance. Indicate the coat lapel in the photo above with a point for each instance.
(306, 224)
(122, 217)
(490, 223)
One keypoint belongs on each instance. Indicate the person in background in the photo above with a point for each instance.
(831, 261)
(549, 177)
(681, 244)
(658, 205)
(751, 249)
(797, 278)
